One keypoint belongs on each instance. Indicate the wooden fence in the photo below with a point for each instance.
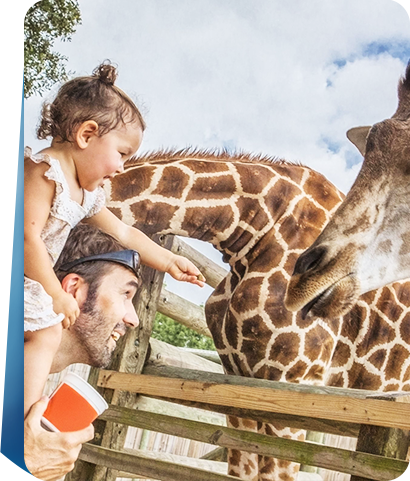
(154, 387)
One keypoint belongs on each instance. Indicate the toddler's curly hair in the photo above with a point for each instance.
(93, 97)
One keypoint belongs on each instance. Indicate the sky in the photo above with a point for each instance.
(278, 77)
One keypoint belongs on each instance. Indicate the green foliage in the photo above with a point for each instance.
(167, 330)
(45, 22)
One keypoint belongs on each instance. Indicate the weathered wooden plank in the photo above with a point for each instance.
(185, 312)
(200, 463)
(302, 476)
(389, 442)
(160, 406)
(208, 377)
(217, 454)
(163, 354)
(143, 465)
(298, 422)
(213, 272)
(338, 428)
(317, 438)
(342, 460)
(210, 355)
(127, 416)
(287, 401)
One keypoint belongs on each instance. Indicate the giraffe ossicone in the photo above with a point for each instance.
(261, 214)
(366, 244)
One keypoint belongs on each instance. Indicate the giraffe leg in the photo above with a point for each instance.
(242, 464)
(271, 469)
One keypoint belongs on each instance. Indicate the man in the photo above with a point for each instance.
(103, 278)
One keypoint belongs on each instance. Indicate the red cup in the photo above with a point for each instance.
(73, 405)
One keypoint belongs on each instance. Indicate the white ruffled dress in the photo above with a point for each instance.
(65, 214)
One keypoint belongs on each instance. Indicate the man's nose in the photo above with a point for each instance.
(131, 318)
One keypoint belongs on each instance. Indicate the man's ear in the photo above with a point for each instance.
(85, 132)
(76, 286)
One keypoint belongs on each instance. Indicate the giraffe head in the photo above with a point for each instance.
(366, 244)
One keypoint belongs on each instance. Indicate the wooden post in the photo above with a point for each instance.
(388, 442)
(129, 357)
(163, 354)
(185, 312)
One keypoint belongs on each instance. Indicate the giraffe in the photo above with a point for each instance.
(261, 213)
(367, 242)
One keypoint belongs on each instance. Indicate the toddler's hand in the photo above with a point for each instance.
(183, 269)
(66, 304)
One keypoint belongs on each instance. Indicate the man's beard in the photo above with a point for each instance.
(92, 334)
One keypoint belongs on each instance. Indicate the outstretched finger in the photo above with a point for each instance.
(194, 280)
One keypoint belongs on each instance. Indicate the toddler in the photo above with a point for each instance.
(95, 127)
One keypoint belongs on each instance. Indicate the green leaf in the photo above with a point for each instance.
(167, 330)
(45, 22)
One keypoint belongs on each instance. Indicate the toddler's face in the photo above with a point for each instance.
(104, 156)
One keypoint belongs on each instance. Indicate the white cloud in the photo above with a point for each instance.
(268, 76)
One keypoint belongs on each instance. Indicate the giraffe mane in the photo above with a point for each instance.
(192, 153)
(403, 109)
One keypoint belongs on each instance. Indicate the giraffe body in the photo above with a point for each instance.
(367, 242)
(261, 214)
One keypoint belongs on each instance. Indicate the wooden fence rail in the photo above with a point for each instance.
(258, 394)
(183, 311)
(144, 465)
(342, 460)
(348, 406)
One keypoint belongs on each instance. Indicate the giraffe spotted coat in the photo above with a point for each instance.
(261, 214)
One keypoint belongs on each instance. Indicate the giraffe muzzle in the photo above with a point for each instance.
(334, 301)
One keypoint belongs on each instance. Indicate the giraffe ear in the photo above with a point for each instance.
(358, 136)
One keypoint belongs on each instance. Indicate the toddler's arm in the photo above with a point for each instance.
(38, 197)
(152, 255)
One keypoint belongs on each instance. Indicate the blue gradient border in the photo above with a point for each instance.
(11, 247)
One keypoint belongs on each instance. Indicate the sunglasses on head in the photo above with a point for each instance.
(128, 258)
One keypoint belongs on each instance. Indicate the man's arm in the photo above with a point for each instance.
(50, 456)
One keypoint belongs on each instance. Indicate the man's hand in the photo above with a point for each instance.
(50, 456)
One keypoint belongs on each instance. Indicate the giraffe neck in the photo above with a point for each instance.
(233, 205)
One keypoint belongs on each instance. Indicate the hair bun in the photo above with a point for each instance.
(106, 72)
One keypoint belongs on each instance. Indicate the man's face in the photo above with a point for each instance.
(105, 318)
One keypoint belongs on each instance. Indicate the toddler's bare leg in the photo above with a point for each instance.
(40, 348)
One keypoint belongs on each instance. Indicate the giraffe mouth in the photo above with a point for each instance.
(309, 307)
(334, 301)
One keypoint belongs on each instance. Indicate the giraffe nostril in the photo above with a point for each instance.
(309, 260)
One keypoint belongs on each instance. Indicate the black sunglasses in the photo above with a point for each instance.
(127, 258)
